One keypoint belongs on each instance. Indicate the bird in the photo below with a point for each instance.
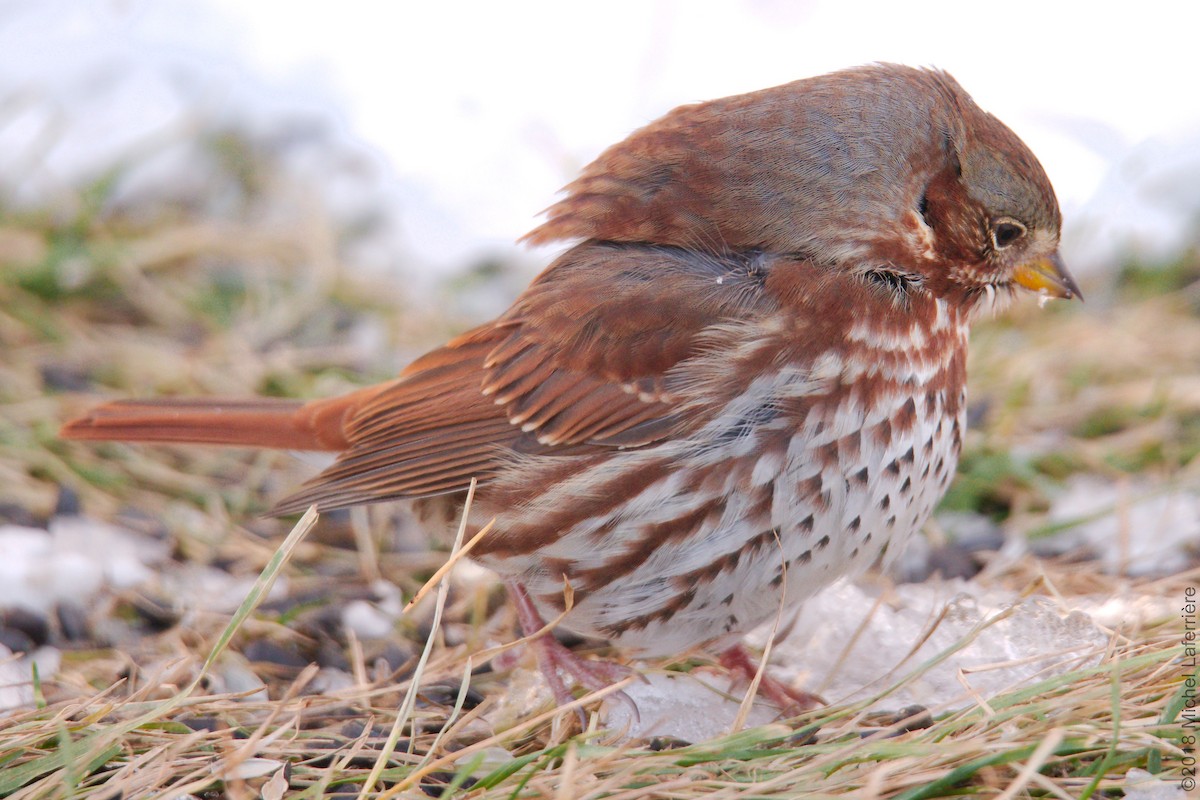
(743, 378)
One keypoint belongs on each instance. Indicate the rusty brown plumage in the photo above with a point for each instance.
(745, 378)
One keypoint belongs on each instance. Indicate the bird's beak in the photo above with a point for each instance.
(1049, 277)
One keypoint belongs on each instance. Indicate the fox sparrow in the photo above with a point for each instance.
(745, 378)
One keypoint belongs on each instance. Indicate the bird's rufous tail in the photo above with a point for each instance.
(260, 422)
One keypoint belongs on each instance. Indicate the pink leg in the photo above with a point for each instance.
(791, 701)
(555, 660)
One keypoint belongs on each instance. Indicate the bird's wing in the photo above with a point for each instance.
(582, 362)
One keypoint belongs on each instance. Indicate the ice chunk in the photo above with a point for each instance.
(845, 645)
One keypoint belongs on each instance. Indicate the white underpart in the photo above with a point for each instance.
(743, 595)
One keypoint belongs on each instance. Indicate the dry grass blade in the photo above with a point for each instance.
(457, 553)
(410, 698)
(257, 594)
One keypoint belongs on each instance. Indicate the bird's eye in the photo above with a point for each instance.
(1005, 232)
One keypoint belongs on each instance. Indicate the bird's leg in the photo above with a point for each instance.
(789, 700)
(555, 660)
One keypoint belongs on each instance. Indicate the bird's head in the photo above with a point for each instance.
(989, 214)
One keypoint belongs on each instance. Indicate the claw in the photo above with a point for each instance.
(555, 660)
(789, 700)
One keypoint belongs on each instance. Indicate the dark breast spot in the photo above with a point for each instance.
(883, 433)
(850, 445)
(906, 416)
(810, 487)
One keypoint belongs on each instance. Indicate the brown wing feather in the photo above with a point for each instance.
(426, 433)
(582, 362)
(591, 344)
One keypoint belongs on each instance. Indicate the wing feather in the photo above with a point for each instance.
(583, 362)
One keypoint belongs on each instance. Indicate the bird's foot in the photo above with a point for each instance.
(561, 667)
(790, 701)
